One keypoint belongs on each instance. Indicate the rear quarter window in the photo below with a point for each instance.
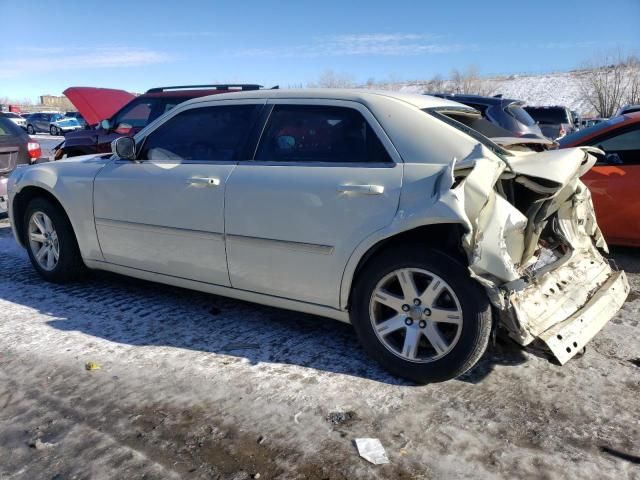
(520, 114)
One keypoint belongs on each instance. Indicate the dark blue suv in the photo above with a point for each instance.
(504, 112)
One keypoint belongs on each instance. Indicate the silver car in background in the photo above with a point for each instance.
(375, 208)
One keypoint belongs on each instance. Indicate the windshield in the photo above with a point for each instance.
(10, 115)
(548, 115)
(473, 125)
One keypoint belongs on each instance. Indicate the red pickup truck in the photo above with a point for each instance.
(114, 113)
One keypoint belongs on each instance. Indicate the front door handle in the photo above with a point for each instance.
(362, 189)
(209, 181)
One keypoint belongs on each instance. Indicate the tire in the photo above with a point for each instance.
(53, 131)
(68, 265)
(31, 130)
(450, 322)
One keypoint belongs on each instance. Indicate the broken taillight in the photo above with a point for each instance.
(35, 151)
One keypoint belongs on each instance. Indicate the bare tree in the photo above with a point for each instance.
(330, 79)
(605, 83)
(632, 96)
(469, 82)
(436, 84)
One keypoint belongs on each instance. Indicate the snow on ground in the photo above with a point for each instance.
(561, 88)
(197, 386)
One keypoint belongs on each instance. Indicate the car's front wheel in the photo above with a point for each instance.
(420, 314)
(53, 130)
(51, 242)
(31, 130)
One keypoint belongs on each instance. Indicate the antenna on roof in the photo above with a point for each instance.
(498, 96)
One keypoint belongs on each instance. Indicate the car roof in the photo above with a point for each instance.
(364, 96)
(612, 124)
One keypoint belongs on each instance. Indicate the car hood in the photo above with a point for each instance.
(66, 122)
(96, 104)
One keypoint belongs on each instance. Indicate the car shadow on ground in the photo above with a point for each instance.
(135, 312)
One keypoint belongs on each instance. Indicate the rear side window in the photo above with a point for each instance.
(520, 114)
(309, 133)
(201, 134)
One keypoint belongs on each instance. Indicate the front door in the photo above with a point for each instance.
(323, 179)
(614, 187)
(165, 212)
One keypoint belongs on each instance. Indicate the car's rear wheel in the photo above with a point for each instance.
(53, 130)
(420, 314)
(30, 129)
(51, 243)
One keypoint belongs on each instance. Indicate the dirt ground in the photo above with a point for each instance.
(196, 386)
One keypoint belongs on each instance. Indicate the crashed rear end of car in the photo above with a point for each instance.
(532, 240)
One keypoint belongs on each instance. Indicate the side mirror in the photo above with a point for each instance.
(613, 159)
(105, 124)
(124, 147)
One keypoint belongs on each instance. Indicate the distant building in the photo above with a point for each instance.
(56, 103)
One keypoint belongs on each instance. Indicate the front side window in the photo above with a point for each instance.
(309, 133)
(623, 148)
(201, 134)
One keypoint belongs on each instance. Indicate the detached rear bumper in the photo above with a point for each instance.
(569, 337)
(569, 305)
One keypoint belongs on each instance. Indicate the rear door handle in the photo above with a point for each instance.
(209, 181)
(362, 189)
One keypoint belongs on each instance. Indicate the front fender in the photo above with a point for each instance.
(71, 184)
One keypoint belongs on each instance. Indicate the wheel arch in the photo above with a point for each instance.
(443, 236)
(21, 201)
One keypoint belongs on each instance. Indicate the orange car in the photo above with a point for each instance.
(614, 182)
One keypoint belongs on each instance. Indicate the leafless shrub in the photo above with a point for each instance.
(610, 81)
(469, 82)
(330, 79)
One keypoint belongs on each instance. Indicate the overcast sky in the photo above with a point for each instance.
(48, 46)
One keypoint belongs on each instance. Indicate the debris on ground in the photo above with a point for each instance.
(40, 445)
(341, 418)
(92, 366)
(372, 450)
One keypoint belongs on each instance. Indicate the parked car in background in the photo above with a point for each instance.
(374, 208)
(61, 124)
(15, 118)
(615, 179)
(555, 122)
(627, 109)
(40, 122)
(16, 148)
(503, 112)
(78, 116)
(131, 113)
(590, 122)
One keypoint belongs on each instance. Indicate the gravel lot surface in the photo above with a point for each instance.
(197, 386)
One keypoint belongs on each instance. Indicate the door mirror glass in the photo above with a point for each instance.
(613, 159)
(105, 125)
(124, 147)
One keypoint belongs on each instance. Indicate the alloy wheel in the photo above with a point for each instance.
(43, 241)
(416, 315)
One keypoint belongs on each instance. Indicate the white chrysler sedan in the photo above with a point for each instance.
(380, 209)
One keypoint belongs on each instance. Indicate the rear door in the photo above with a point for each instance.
(615, 186)
(165, 212)
(324, 177)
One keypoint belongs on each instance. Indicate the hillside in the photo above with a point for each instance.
(549, 89)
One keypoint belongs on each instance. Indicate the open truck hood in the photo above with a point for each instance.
(96, 104)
